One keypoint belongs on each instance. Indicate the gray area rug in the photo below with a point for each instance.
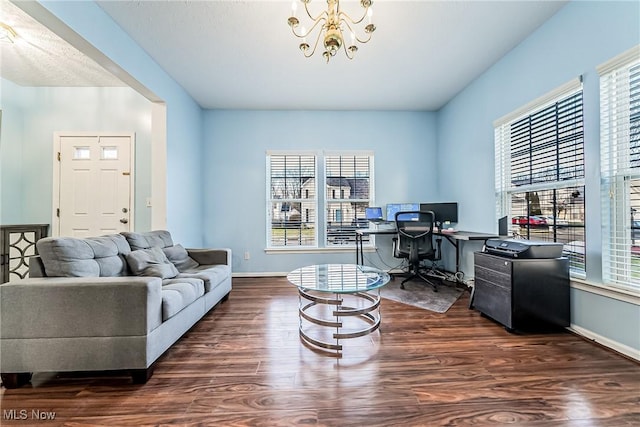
(420, 294)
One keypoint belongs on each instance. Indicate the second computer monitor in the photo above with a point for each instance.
(393, 208)
(444, 212)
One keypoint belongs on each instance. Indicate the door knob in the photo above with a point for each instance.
(124, 220)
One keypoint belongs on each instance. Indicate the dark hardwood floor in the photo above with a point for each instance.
(243, 364)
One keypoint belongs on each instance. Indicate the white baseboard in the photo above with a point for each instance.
(260, 274)
(607, 342)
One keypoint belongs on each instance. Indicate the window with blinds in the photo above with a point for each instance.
(620, 168)
(347, 195)
(295, 195)
(292, 202)
(540, 171)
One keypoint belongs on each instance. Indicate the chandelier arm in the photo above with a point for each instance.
(358, 39)
(310, 30)
(363, 41)
(317, 18)
(315, 46)
(344, 17)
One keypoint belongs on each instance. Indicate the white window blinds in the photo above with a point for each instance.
(620, 168)
(540, 171)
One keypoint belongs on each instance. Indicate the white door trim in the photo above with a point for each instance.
(55, 199)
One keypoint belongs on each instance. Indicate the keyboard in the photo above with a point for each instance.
(385, 225)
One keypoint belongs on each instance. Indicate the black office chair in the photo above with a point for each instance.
(414, 242)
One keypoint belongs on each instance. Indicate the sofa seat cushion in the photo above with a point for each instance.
(178, 294)
(212, 275)
(91, 257)
(151, 262)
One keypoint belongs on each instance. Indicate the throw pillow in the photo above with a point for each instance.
(179, 256)
(151, 262)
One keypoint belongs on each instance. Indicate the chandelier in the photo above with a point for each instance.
(331, 26)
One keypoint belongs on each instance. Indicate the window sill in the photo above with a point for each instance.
(606, 291)
(299, 250)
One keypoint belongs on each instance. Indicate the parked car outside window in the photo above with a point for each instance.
(533, 221)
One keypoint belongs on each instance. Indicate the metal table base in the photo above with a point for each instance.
(369, 313)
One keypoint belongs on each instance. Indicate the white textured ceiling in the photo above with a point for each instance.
(41, 58)
(233, 54)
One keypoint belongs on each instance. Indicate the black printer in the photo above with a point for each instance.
(523, 249)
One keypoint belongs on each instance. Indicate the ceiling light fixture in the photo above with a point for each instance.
(7, 34)
(330, 25)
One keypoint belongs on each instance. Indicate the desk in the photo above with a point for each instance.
(455, 238)
(361, 232)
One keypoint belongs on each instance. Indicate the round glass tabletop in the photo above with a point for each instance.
(338, 278)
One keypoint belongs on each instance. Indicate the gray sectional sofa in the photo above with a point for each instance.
(114, 302)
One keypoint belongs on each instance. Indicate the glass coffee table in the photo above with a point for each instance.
(331, 294)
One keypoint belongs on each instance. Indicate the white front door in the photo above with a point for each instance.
(95, 184)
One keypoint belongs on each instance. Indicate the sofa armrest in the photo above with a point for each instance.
(59, 307)
(220, 256)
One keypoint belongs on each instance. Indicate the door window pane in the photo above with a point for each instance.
(109, 153)
(82, 153)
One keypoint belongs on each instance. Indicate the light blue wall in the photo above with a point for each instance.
(184, 116)
(11, 170)
(579, 37)
(31, 115)
(235, 148)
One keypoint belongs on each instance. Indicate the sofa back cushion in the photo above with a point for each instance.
(149, 239)
(91, 257)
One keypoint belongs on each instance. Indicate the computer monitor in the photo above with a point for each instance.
(444, 212)
(373, 213)
(393, 208)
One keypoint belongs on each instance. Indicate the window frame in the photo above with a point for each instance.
(619, 136)
(270, 155)
(320, 203)
(349, 227)
(505, 189)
